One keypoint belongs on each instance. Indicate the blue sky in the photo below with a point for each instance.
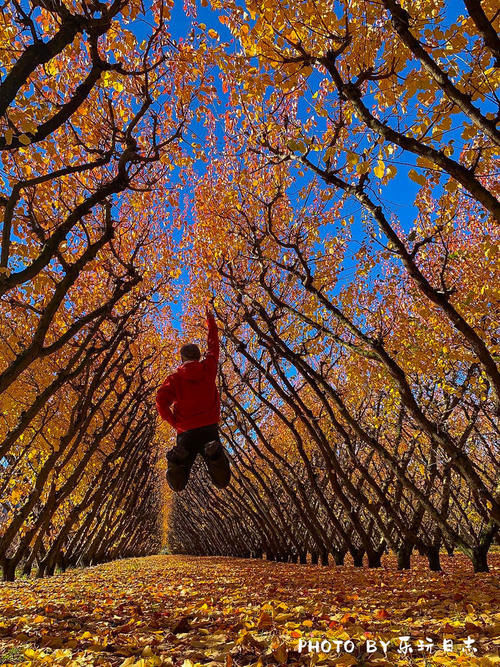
(398, 196)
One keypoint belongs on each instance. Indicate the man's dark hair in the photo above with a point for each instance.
(190, 352)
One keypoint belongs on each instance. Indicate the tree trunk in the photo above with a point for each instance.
(404, 556)
(339, 556)
(357, 556)
(480, 559)
(9, 569)
(434, 560)
(374, 558)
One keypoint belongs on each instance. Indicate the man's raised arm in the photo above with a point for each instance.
(212, 338)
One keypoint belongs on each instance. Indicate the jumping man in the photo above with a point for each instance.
(190, 402)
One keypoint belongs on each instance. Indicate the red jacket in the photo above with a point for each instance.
(189, 397)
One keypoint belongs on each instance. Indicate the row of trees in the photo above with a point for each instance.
(360, 376)
(329, 456)
(88, 150)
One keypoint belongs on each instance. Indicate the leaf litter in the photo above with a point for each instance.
(184, 611)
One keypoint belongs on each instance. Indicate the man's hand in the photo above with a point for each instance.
(212, 336)
(209, 306)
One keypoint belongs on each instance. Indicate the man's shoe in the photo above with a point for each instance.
(217, 464)
(178, 468)
(177, 477)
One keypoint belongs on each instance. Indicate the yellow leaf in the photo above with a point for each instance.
(379, 169)
(24, 139)
(352, 158)
(297, 146)
(265, 620)
(469, 132)
(416, 177)
(346, 660)
(391, 171)
(213, 33)
(363, 167)
(280, 654)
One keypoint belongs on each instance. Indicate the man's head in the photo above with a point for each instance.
(190, 352)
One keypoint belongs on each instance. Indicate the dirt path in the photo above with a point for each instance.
(184, 611)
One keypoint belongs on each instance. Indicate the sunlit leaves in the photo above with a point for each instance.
(170, 610)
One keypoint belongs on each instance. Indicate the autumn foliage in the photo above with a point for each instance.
(360, 376)
(178, 611)
(86, 272)
(325, 173)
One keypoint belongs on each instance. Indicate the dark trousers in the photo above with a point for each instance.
(205, 441)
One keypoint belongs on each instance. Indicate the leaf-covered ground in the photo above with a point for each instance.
(185, 611)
